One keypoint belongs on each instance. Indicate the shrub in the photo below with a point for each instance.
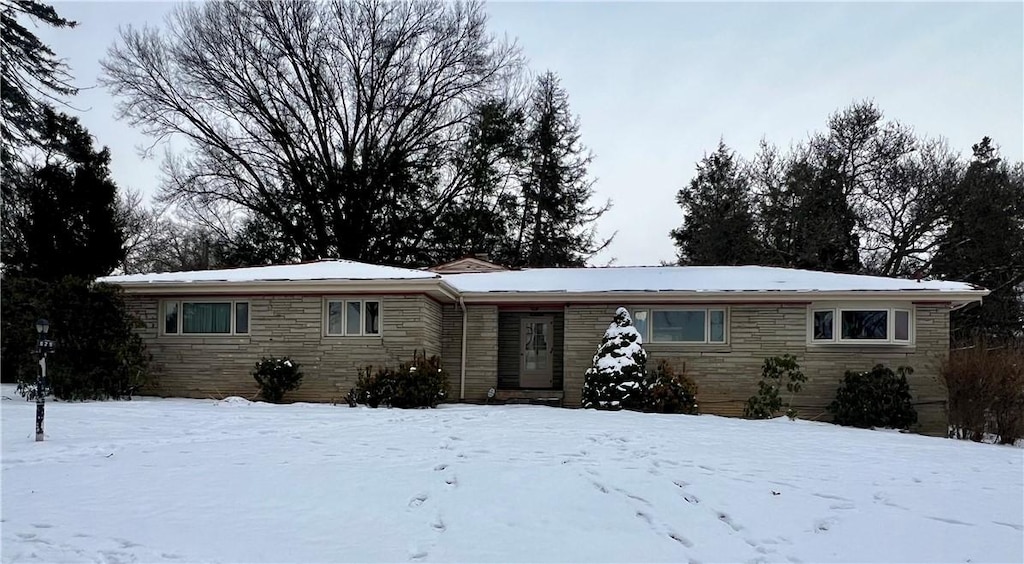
(986, 392)
(669, 391)
(420, 383)
(275, 377)
(616, 379)
(768, 401)
(98, 355)
(876, 398)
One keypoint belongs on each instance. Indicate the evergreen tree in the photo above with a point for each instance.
(616, 380)
(984, 245)
(557, 222)
(804, 217)
(483, 219)
(824, 224)
(32, 76)
(718, 220)
(61, 215)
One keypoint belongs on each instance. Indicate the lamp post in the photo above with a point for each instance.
(43, 346)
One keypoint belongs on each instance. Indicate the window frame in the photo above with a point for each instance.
(837, 328)
(325, 318)
(180, 303)
(648, 330)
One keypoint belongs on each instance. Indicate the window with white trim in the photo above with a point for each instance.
(681, 325)
(868, 325)
(351, 317)
(205, 317)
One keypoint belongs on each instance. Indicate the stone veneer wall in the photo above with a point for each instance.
(281, 325)
(727, 374)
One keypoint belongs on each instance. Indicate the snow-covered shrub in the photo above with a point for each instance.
(768, 401)
(420, 383)
(669, 391)
(616, 379)
(276, 376)
(986, 391)
(876, 398)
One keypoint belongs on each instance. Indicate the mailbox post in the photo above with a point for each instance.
(43, 347)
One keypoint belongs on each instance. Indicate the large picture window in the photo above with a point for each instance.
(860, 325)
(352, 317)
(184, 317)
(690, 325)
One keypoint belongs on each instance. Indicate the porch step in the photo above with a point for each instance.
(535, 397)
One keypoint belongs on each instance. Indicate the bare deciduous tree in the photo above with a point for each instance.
(336, 122)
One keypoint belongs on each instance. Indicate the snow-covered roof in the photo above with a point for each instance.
(320, 270)
(635, 279)
(688, 279)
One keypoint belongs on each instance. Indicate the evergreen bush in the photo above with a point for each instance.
(768, 401)
(98, 355)
(616, 379)
(420, 383)
(669, 391)
(876, 398)
(275, 377)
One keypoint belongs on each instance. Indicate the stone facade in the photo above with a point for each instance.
(285, 325)
(726, 374)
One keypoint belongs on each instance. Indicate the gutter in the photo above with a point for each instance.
(462, 361)
(764, 296)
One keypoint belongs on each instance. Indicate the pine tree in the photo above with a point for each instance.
(557, 222)
(804, 217)
(718, 220)
(32, 75)
(984, 245)
(616, 380)
(825, 225)
(483, 218)
(61, 215)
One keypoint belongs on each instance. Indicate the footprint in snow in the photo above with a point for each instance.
(440, 467)
(824, 525)
(950, 521)
(681, 539)
(418, 500)
(728, 521)
(829, 496)
(42, 526)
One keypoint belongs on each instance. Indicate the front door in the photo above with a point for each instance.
(536, 343)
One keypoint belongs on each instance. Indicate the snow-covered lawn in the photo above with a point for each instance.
(190, 480)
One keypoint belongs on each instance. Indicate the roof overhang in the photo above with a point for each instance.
(674, 296)
(433, 287)
(443, 291)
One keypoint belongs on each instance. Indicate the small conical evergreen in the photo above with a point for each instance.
(616, 380)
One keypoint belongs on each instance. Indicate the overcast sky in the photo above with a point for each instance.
(657, 84)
